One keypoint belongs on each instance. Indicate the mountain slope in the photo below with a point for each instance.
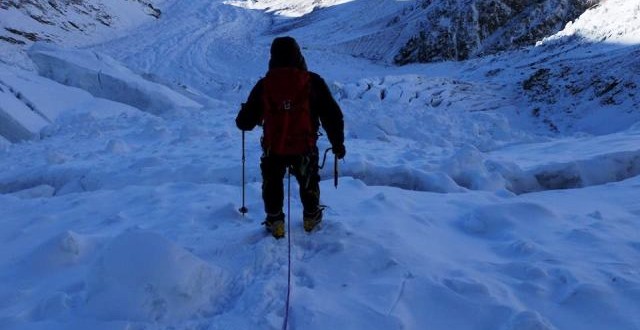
(587, 74)
(404, 32)
(458, 29)
(23, 22)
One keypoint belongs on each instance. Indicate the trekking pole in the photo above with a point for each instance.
(335, 171)
(243, 209)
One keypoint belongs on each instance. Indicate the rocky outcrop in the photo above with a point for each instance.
(462, 29)
(51, 19)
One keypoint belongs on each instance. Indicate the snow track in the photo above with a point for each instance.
(215, 49)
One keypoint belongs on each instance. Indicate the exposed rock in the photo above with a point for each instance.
(462, 29)
(66, 15)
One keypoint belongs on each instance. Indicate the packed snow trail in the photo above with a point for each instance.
(136, 225)
(205, 44)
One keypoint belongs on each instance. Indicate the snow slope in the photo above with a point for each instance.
(457, 208)
(70, 22)
(404, 32)
(586, 74)
(458, 30)
(287, 8)
(608, 22)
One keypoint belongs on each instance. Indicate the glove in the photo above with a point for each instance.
(242, 125)
(339, 151)
(243, 121)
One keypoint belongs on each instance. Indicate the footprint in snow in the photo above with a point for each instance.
(327, 240)
(522, 271)
(304, 279)
(466, 287)
(519, 249)
(562, 283)
(528, 320)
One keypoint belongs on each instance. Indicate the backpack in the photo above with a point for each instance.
(288, 126)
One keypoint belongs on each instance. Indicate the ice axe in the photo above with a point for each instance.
(335, 166)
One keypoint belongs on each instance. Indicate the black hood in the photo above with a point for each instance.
(285, 53)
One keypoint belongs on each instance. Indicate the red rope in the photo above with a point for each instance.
(286, 310)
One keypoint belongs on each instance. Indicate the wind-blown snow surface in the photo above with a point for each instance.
(443, 218)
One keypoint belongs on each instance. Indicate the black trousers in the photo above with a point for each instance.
(303, 167)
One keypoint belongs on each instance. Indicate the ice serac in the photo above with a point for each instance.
(104, 77)
(17, 121)
(460, 29)
(27, 105)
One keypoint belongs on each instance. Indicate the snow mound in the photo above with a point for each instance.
(503, 222)
(402, 176)
(161, 281)
(40, 191)
(469, 168)
(529, 320)
(63, 250)
(104, 77)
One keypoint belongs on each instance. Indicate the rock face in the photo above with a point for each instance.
(51, 19)
(462, 29)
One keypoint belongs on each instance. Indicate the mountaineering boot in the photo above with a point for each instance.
(275, 224)
(311, 219)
